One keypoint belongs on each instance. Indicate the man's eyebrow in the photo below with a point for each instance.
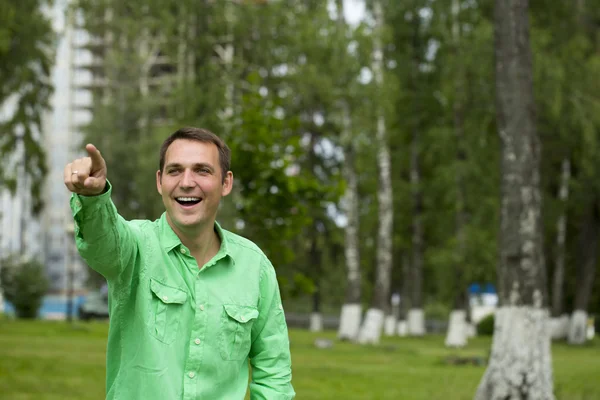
(203, 165)
(197, 165)
(173, 165)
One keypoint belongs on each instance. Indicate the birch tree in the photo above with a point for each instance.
(416, 314)
(457, 328)
(560, 321)
(520, 365)
(351, 311)
(373, 324)
(586, 269)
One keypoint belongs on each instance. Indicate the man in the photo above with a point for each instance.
(189, 302)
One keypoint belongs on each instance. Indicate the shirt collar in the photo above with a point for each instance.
(170, 240)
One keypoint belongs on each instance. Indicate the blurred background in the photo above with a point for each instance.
(367, 167)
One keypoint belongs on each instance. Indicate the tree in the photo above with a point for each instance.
(24, 284)
(374, 319)
(520, 366)
(586, 269)
(350, 316)
(26, 56)
(457, 328)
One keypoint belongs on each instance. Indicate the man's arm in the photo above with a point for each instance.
(104, 239)
(270, 352)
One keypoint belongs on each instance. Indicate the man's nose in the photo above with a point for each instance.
(187, 180)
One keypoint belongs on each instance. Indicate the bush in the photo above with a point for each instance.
(437, 311)
(485, 327)
(24, 284)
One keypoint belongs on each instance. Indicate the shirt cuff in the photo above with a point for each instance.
(86, 205)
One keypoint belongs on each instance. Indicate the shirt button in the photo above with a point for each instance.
(242, 318)
(165, 298)
(191, 374)
(197, 341)
(182, 250)
(280, 307)
(201, 307)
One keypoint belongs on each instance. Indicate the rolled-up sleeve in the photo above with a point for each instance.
(270, 352)
(104, 239)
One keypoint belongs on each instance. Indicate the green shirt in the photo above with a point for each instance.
(178, 331)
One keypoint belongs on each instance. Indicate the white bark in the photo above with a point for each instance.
(559, 327)
(457, 329)
(402, 328)
(352, 310)
(384, 193)
(350, 204)
(577, 327)
(416, 322)
(349, 321)
(390, 325)
(316, 322)
(370, 332)
(520, 366)
(561, 233)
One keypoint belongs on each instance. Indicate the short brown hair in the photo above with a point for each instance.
(199, 135)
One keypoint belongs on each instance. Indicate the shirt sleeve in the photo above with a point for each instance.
(270, 352)
(104, 239)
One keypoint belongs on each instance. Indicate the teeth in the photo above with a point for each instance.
(188, 198)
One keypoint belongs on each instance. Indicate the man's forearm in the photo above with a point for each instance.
(103, 238)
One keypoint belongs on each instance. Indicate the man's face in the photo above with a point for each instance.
(191, 184)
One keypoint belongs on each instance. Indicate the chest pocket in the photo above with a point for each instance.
(165, 311)
(236, 331)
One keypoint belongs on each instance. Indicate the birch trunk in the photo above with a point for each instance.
(371, 329)
(561, 230)
(520, 365)
(586, 271)
(226, 52)
(559, 325)
(416, 315)
(351, 312)
(316, 319)
(402, 327)
(416, 320)
(457, 326)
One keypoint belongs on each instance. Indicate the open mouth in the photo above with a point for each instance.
(188, 201)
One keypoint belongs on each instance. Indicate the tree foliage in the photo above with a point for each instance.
(26, 56)
(24, 284)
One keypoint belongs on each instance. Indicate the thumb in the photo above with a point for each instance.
(97, 160)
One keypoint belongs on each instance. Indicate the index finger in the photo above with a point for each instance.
(94, 153)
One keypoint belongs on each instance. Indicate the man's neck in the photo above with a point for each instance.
(203, 243)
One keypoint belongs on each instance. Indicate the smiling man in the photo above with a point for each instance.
(191, 304)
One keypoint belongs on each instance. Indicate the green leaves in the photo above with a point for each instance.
(24, 283)
(26, 55)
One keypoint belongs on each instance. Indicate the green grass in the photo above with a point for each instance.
(47, 361)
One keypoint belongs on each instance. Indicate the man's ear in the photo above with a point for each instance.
(227, 184)
(158, 182)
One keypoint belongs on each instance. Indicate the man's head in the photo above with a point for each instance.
(193, 177)
(203, 136)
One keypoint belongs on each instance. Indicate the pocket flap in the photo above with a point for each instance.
(241, 314)
(167, 294)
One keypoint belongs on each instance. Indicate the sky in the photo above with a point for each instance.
(354, 11)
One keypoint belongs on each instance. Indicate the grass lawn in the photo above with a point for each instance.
(52, 361)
